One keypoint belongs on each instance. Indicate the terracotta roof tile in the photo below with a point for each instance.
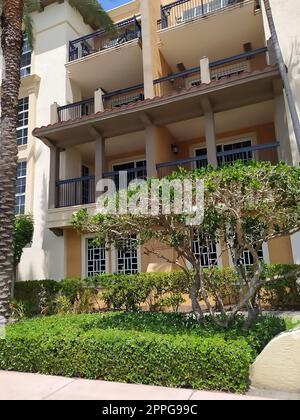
(156, 99)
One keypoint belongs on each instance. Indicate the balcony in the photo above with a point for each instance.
(191, 29)
(124, 32)
(94, 59)
(184, 11)
(262, 152)
(220, 70)
(81, 191)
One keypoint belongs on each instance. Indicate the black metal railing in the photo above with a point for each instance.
(183, 11)
(220, 69)
(75, 192)
(123, 97)
(76, 110)
(132, 174)
(263, 152)
(101, 40)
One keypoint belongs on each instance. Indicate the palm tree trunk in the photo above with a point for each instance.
(283, 73)
(11, 45)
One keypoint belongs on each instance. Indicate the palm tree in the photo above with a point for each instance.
(15, 21)
(283, 72)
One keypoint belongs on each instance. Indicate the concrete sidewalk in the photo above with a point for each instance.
(25, 386)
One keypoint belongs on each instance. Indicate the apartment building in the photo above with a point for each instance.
(177, 84)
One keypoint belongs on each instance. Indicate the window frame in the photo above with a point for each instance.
(84, 256)
(25, 127)
(114, 252)
(19, 195)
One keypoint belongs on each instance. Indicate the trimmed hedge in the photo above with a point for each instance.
(36, 295)
(159, 349)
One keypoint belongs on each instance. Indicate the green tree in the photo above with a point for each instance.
(15, 21)
(245, 206)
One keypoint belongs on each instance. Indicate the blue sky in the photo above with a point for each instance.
(110, 4)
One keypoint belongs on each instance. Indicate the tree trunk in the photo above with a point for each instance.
(283, 73)
(11, 45)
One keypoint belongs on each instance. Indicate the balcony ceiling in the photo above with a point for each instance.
(217, 36)
(103, 69)
(227, 95)
(226, 121)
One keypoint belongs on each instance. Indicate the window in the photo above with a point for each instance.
(127, 255)
(135, 170)
(96, 259)
(26, 58)
(205, 250)
(21, 187)
(22, 127)
(247, 259)
(240, 151)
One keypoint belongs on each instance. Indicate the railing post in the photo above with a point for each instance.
(205, 71)
(99, 162)
(202, 7)
(54, 113)
(98, 98)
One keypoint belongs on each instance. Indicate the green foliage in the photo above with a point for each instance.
(23, 234)
(18, 310)
(284, 293)
(223, 283)
(37, 296)
(130, 292)
(160, 349)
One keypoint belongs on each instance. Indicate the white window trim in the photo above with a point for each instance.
(84, 271)
(114, 255)
(224, 141)
(124, 162)
(24, 126)
(23, 194)
(266, 255)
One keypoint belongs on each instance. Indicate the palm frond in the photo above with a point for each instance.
(93, 14)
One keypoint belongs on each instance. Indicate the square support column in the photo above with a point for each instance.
(98, 100)
(210, 132)
(99, 162)
(151, 150)
(205, 71)
(288, 151)
(53, 176)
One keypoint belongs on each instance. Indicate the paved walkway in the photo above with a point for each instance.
(25, 386)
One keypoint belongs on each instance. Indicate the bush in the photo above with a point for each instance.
(281, 294)
(130, 292)
(36, 296)
(159, 349)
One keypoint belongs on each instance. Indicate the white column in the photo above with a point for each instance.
(288, 151)
(53, 176)
(205, 71)
(99, 161)
(53, 113)
(98, 100)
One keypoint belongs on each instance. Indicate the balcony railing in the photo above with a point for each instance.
(264, 152)
(81, 191)
(76, 110)
(183, 11)
(75, 192)
(221, 69)
(101, 40)
(123, 97)
(132, 174)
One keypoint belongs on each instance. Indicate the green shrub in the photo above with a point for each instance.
(130, 292)
(37, 296)
(281, 294)
(130, 348)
